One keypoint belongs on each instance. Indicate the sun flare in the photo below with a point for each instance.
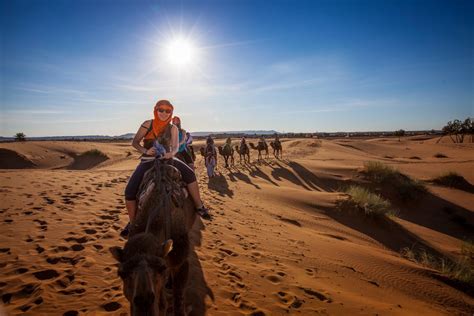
(181, 52)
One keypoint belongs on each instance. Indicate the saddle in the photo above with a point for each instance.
(160, 185)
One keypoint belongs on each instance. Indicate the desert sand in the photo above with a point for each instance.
(277, 244)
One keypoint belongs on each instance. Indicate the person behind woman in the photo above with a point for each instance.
(182, 153)
(189, 145)
(159, 129)
(243, 143)
(210, 157)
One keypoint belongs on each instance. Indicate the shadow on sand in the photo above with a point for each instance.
(220, 185)
(197, 288)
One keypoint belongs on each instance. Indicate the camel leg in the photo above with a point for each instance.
(180, 278)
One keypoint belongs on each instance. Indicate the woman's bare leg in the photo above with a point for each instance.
(193, 189)
(131, 206)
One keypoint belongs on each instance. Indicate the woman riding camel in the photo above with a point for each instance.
(160, 130)
(182, 153)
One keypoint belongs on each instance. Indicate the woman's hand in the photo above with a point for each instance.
(167, 156)
(151, 151)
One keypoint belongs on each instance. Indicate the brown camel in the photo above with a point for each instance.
(262, 146)
(158, 246)
(243, 152)
(277, 149)
(227, 152)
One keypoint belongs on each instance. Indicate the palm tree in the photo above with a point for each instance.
(20, 137)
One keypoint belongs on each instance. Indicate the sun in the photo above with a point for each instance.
(181, 51)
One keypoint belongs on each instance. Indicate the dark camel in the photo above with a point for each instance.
(277, 149)
(262, 146)
(243, 151)
(227, 152)
(158, 246)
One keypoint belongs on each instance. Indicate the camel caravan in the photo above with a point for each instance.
(209, 152)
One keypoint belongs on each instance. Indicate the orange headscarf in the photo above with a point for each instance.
(159, 125)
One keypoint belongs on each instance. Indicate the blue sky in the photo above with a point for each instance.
(98, 67)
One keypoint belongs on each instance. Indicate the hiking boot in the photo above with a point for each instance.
(124, 233)
(204, 213)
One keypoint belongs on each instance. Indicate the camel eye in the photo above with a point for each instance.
(158, 265)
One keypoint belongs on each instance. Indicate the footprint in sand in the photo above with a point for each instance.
(112, 306)
(273, 276)
(310, 271)
(46, 274)
(65, 281)
(227, 252)
(49, 200)
(90, 231)
(43, 224)
(314, 294)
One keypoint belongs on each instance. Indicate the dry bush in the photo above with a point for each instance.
(95, 153)
(454, 180)
(461, 270)
(366, 202)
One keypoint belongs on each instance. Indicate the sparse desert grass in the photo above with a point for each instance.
(388, 156)
(94, 153)
(415, 158)
(370, 204)
(454, 180)
(406, 187)
(440, 155)
(316, 143)
(460, 270)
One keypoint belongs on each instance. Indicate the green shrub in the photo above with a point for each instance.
(369, 203)
(406, 187)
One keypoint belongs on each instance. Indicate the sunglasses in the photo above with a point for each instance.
(164, 111)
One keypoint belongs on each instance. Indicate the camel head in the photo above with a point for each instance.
(201, 150)
(221, 151)
(252, 146)
(143, 270)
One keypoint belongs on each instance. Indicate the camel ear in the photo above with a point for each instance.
(117, 253)
(167, 247)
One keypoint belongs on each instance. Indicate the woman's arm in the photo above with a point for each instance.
(174, 143)
(142, 130)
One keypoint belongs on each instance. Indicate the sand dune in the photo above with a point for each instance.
(277, 245)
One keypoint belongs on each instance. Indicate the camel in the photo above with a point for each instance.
(262, 146)
(158, 246)
(227, 152)
(243, 152)
(277, 149)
